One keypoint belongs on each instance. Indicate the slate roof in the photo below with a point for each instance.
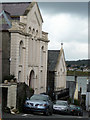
(6, 21)
(15, 8)
(11, 11)
(52, 59)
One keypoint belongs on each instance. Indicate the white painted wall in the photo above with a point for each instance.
(60, 74)
(76, 92)
(32, 50)
(88, 101)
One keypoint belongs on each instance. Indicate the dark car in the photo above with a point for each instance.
(61, 106)
(79, 111)
(76, 110)
(73, 110)
(39, 103)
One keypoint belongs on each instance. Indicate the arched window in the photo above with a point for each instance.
(31, 79)
(29, 29)
(19, 76)
(21, 52)
(42, 55)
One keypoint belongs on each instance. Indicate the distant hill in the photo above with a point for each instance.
(79, 62)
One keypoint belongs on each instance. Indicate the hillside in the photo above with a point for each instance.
(79, 68)
(79, 62)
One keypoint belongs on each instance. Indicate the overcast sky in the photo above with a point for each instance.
(66, 22)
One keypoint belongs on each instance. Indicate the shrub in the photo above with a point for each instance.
(23, 92)
(9, 77)
(76, 102)
(31, 90)
(69, 100)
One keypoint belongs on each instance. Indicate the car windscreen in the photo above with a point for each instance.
(38, 97)
(72, 106)
(61, 103)
(78, 108)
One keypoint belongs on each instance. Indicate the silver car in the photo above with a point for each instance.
(39, 103)
(60, 106)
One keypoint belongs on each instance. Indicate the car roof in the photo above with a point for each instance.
(40, 95)
(72, 105)
(61, 100)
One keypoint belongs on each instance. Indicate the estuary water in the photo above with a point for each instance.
(82, 82)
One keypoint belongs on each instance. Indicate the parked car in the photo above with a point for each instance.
(79, 111)
(39, 103)
(72, 109)
(76, 110)
(61, 107)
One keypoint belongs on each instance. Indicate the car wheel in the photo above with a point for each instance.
(46, 112)
(24, 111)
(31, 112)
(51, 112)
(78, 114)
(81, 114)
(73, 114)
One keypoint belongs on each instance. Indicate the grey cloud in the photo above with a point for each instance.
(74, 8)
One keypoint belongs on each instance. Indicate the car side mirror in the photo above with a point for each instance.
(27, 98)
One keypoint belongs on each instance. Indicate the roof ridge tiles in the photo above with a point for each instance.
(14, 2)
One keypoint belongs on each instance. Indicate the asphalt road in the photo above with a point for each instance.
(39, 116)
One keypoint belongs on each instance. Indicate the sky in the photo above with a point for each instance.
(66, 22)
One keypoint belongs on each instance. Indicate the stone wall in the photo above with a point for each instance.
(9, 95)
(34, 50)
(11, 101)
(60, 74)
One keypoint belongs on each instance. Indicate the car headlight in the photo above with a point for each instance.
(64, 108)
(43, 105)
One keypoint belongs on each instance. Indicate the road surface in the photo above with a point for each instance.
(39, 116)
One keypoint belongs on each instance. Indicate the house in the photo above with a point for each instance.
(56, 76)
(73, 90)
(24, 45)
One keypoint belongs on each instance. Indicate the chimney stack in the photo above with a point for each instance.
(61, 45)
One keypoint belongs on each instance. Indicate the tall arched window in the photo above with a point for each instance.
(21, 52)
(42, 49)
(29, 29)
(31, 79)
(19, 76)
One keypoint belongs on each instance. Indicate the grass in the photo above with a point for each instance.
(78, 73)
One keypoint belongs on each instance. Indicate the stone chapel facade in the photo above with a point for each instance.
(28, 45)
